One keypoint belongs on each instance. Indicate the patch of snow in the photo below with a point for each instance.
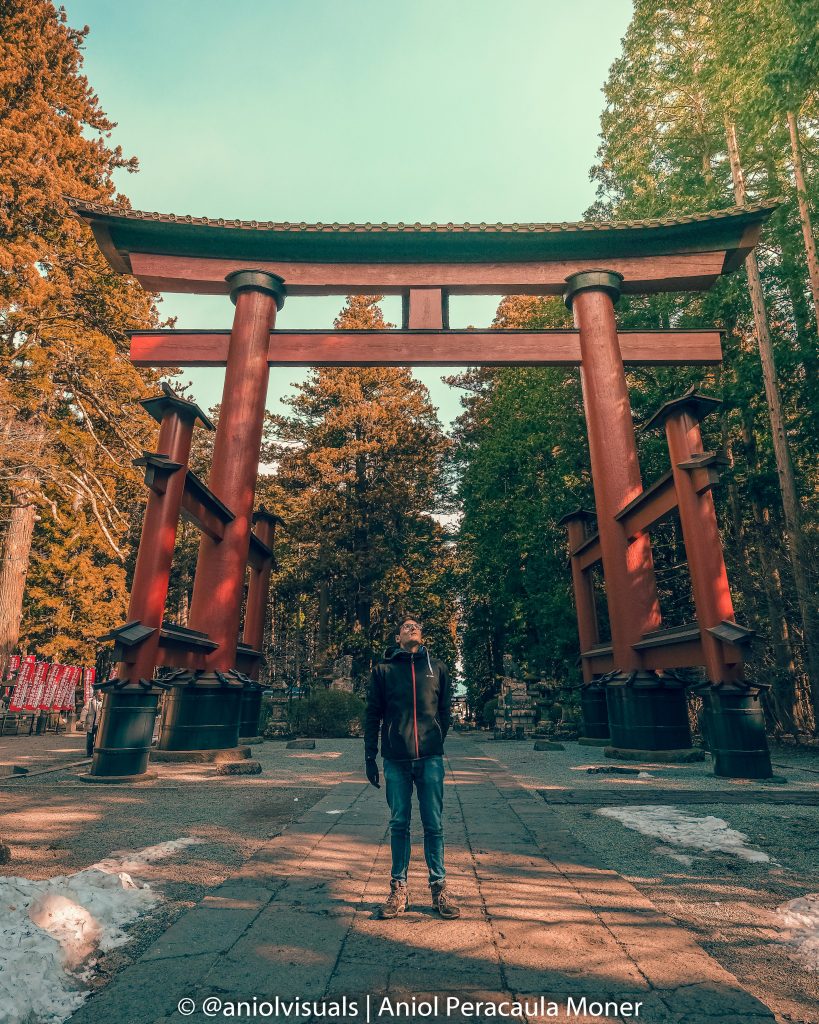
(645, 775)
(677, 828)
(800, 918)
(334, 812)
(681, 858)
(51, 929)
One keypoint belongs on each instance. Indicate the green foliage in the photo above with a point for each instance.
(521, 464)
(327, 713)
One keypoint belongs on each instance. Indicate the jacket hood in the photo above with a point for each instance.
(397, 653)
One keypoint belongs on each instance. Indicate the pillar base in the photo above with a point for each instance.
(201, 711)
(594, 741)
(251, 708)
(647, 712)
(125, 731)
(594, 707)
(734, 723)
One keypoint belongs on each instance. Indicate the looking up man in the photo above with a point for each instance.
(409, 700)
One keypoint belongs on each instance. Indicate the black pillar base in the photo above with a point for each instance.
(594, 707)
(734, 723)
(125, 731)
(251, 709)
(201, 711)
(647, 712)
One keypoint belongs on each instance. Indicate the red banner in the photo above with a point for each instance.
(89, 676)
(35, 693)
(13, 667)
(76, 680)
(58, 702)
(23, 684)
(50, 687)
(64, 700)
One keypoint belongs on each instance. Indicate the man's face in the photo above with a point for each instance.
(410, 633)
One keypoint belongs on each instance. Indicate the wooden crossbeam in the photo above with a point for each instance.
(425, 348)
(649, 507)
(687, 271)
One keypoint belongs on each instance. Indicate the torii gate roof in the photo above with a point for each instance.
(174, 252)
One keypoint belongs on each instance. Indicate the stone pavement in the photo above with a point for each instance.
(540, 918)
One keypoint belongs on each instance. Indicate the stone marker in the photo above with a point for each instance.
(548, 745)
(301, 745)
(239, 768)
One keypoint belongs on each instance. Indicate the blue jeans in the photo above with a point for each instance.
(427, 773)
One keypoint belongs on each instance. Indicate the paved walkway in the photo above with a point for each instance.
(540, 918)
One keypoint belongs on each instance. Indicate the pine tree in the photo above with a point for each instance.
(359, 476)
(68, 415)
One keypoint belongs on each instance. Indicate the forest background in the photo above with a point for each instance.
(710, 104)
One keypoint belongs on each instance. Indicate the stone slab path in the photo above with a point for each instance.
(540, 918)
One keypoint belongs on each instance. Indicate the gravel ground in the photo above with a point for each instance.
(56, 824)
(38, 752)
(728, 904)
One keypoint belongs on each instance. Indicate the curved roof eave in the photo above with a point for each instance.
(120, 231)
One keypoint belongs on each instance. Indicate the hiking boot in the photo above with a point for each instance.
(443, 902)
(397, 901)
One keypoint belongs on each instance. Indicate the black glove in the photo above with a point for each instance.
(371, 768)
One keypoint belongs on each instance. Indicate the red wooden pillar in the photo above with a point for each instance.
(631, 592)
(259, 586)
(588, 634)
(149, 589)
(694, 476)
(220, 569)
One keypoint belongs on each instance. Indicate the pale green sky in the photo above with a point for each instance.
(322, 110)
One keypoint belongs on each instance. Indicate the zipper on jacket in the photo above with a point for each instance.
(414, 706)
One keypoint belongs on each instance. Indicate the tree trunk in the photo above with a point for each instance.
(784, 465)
(14, 566)
(804, 213)
(323, 637)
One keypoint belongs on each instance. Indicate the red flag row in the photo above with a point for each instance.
(45, 686)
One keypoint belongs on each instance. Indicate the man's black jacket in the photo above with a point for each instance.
(409, 698)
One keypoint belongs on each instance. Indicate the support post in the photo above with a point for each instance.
(645, 711)
(204, 712)
(631, 592)
(129, 704)
(732, 712)
(703, 545)
(258, 590)
(593, 704)
(259, 586)
(576, 524)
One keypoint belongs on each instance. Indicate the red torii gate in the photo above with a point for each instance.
(258, 264)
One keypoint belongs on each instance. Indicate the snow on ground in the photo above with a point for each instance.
(677, 828)
(801, 920)
(50, 931)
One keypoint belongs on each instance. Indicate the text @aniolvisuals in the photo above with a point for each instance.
(369, 1008)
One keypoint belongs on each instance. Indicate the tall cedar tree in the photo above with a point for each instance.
(69, 425)
(696, 117)
(359, 476)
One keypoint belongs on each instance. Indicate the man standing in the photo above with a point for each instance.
(409, 701)
(90, 717)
